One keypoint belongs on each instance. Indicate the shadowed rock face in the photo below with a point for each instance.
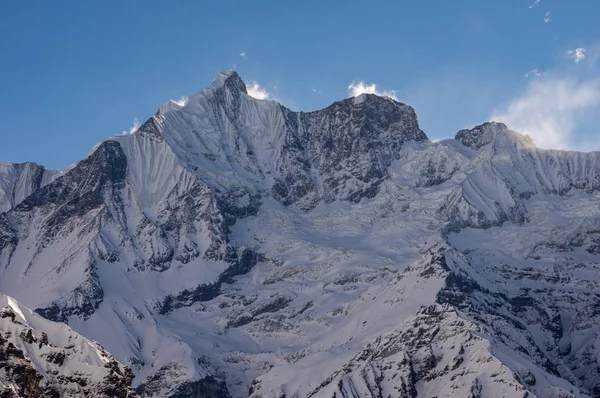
(341, 152)
(19, 180)
(83, 189)
(349, 146)
(477, 137)
(207, 387)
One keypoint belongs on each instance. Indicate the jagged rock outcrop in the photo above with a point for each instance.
(435, 352)
(41, 358)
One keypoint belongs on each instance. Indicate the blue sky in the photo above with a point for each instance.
(74, 73)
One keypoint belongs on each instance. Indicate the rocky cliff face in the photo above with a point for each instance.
(241, 144)
(19, 180)
(40, 358)
(231, 247)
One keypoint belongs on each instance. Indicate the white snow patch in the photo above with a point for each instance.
(15, 306)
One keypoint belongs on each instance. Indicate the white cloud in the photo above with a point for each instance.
(535, 3)
(132, 129)
(181, 101)
(258, 92)
(243, 54)
(548, 17)
(357, 88)
(577, 54)
(551, 109)
(533, 72)
(314, 90)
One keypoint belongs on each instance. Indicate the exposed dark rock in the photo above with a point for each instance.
(208, 387)
(478, 136)
(240, 265)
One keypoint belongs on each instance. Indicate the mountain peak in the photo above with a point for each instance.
(479, 136)
(359, 99)
(229, 79)
(483, 134)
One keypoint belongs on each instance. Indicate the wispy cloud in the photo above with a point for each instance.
(255, 90)
(535, 3)
(534, 72)
(181, 101)
(314, 90)
(132, 129)
(243, 54)
(357, 88)
(548, 17)
(551, 109)
(577, 54)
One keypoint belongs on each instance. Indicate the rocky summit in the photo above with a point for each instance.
(232, 247)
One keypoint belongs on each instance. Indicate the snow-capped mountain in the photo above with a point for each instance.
(232, 247)
(19, 180)
(41, 358)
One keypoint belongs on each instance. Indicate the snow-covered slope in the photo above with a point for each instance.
(510, 169)
(19, 180)
(41, 358)
(256, 147)
(231, 247)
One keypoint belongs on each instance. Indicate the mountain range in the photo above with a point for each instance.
(231, 247)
